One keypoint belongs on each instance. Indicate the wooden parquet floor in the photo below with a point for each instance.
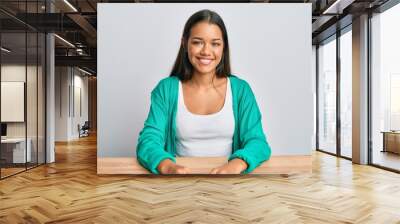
(69, 191)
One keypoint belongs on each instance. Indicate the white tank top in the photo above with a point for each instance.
(205, 135)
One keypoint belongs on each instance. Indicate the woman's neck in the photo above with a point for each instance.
(203, 81)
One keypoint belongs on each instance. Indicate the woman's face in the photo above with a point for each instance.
(205, 47)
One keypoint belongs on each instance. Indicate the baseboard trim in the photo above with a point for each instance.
(202, 165)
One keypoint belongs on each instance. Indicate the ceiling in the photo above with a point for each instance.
(76, 22)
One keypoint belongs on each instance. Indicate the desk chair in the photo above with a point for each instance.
(84, 130)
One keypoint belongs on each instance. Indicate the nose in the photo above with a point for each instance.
(205, 50)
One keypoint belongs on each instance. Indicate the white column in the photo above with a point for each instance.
(360, 90)
(63, 102)
(50, 110)
(50, 92)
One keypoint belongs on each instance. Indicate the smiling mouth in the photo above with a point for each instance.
(205, 61)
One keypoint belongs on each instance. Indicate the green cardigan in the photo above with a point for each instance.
(157, 139)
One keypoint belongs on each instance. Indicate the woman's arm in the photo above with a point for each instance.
(151, 142)
(254, 147)
(235, 166)
(169, 167)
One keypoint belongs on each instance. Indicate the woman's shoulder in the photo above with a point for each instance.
(167, 82)
(166, 85)
(237, 82)
(241, 89)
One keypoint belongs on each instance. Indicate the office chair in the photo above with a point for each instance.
(84, 130)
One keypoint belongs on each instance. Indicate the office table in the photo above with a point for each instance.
(202, 165)
(391, 141)
(13, 150)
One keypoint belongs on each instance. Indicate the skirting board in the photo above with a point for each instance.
(203, 165)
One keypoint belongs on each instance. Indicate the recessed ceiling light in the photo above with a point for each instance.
(64, 40)
(337, 7)
(5, 50)
(84, 71)
(70, 5)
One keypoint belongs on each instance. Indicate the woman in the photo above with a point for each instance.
(201, 109)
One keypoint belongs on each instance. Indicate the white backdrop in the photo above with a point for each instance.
(270, 48)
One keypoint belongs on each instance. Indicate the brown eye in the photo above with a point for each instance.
(196, 42)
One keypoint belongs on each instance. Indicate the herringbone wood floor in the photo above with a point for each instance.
(69, 191)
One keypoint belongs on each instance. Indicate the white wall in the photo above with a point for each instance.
(61, 103)
(67, 80)
(80, 83)
(270, 48)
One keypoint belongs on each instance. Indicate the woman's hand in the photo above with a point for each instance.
(168, 167)
(235, 166)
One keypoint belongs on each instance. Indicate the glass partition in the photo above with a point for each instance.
(327, 96)
(346, 93)
(41, 111)
(32, 95)
(13, 109)
(22, 63)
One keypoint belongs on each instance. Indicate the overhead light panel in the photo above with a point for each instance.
(65, 41)
(338, 6)
(79, 51)
(70, 5)
(84, 71)
(5, 50)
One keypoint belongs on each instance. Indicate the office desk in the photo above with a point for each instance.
(13, 150)
(391, 141)
(203, 165)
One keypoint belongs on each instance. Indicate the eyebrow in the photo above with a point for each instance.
(202, 38)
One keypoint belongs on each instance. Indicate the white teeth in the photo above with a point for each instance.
(205, 61)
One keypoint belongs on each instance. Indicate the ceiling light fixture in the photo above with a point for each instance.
(5, 50)
(79, 51)
(64, 40)
(337, 7)
(84, 71)
(333, 6)
(70, 5)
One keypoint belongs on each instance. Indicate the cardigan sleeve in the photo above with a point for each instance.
(254, 148)
(150, 148)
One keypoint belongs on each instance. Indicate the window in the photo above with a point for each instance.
(385, 88)
(327, 96)
(346, 93)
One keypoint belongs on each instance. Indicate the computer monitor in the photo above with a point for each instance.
(3, 129)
